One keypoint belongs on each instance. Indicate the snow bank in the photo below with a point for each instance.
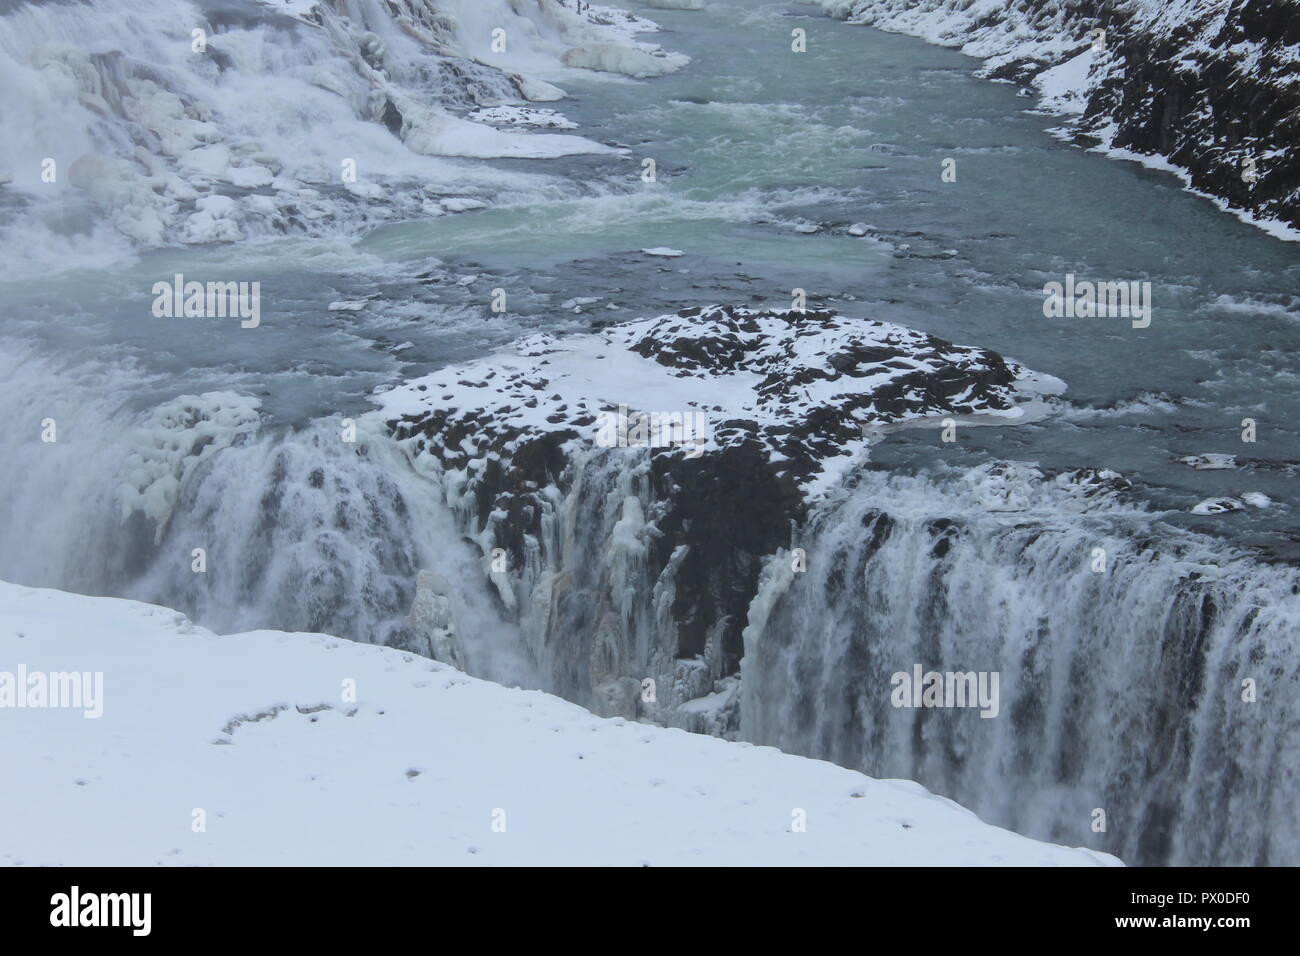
(613, 58)
(249, 735)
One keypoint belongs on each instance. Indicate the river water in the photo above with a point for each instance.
(763, 158)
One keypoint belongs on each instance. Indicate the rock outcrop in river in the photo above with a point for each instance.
(627, 486)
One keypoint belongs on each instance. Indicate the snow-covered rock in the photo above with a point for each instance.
(800, 385)
(618, 58)
(1210, 461)
(521, 116)
(1226, 503)
(270, 748)
(1218, 506)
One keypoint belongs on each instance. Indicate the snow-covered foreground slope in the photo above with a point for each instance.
(249, 734)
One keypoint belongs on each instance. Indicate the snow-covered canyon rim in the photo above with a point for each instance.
(269, 748)
(1207, 89)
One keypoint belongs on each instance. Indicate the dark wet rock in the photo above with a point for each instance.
(392, 118)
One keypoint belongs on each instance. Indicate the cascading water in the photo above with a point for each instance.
(592, 602)
(140, 123)
(299, 529)
(1121, 689)
(133, 125)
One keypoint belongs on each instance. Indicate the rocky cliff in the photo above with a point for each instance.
(1210, 88)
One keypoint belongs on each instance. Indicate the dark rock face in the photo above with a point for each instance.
(1213, 85)
(1213, 93)
(631, 560)
(730, 514)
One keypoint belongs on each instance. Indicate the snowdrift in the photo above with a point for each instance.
(247, 749)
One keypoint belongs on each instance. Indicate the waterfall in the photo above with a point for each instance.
(300, 529)
(136, 124)
(589, 579)
(1121, 689)
(1145, 672)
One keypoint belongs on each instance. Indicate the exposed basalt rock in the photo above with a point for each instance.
(1244, 104)
(729, 511)
(1211, 85)
(392, 118)
(626, 559)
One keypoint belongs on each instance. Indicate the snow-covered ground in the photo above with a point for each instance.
(245, 749)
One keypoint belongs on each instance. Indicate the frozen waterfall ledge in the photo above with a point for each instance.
(250, 731)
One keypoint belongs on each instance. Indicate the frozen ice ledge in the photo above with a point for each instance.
(628, 548)
(255, 737)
